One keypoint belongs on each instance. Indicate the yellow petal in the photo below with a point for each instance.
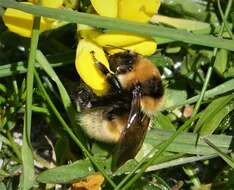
(21, 23)
(140, 10)
(89, 34)
(145, 48)
(52, 3)
(91, 182)
(87, 69)
(106, 8)
(118, 39)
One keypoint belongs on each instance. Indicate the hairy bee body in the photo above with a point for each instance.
(144, 73)
(97, 126)
(122, 116)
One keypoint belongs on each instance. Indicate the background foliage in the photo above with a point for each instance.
(190, 143)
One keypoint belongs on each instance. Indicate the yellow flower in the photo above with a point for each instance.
(140, 10)
(21, 23)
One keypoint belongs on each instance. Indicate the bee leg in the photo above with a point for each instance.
(121, 69)
(111, 78)
(115, 111)
(114, 82)
(99, 65)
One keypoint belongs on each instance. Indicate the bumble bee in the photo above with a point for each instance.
(122, 116)
(132, 70)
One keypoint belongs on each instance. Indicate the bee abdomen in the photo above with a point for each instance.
(98, 127)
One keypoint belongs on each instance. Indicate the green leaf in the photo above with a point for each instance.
(221, 61)
(2, 186)
(62, 150)
(187, 8)
(211, 111)
(3, 88)
(161, 60)
(164, 122)
(225, 157)
(187, 142)
(67, 173)
(174, 97)
(229, 73)
(211, 125)
(119, 24)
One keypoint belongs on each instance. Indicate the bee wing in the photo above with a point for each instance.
(132, 136)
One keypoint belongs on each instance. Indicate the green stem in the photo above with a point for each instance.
(27, 156)
(191, 173)
(14, 146)
(40, 110)
(224, 18)
(69, 131)
(30, 78)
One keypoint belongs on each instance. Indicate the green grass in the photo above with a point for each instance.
(199, 145)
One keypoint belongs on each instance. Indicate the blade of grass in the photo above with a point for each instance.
(69, 131)
(27, 179)
(20, 67)
(210, 112)
(119, 24)
(164, 122)
(211, 125)
(225, 157)
(43, 110)
(180, 161)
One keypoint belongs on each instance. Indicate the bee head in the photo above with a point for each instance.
(122, 58)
